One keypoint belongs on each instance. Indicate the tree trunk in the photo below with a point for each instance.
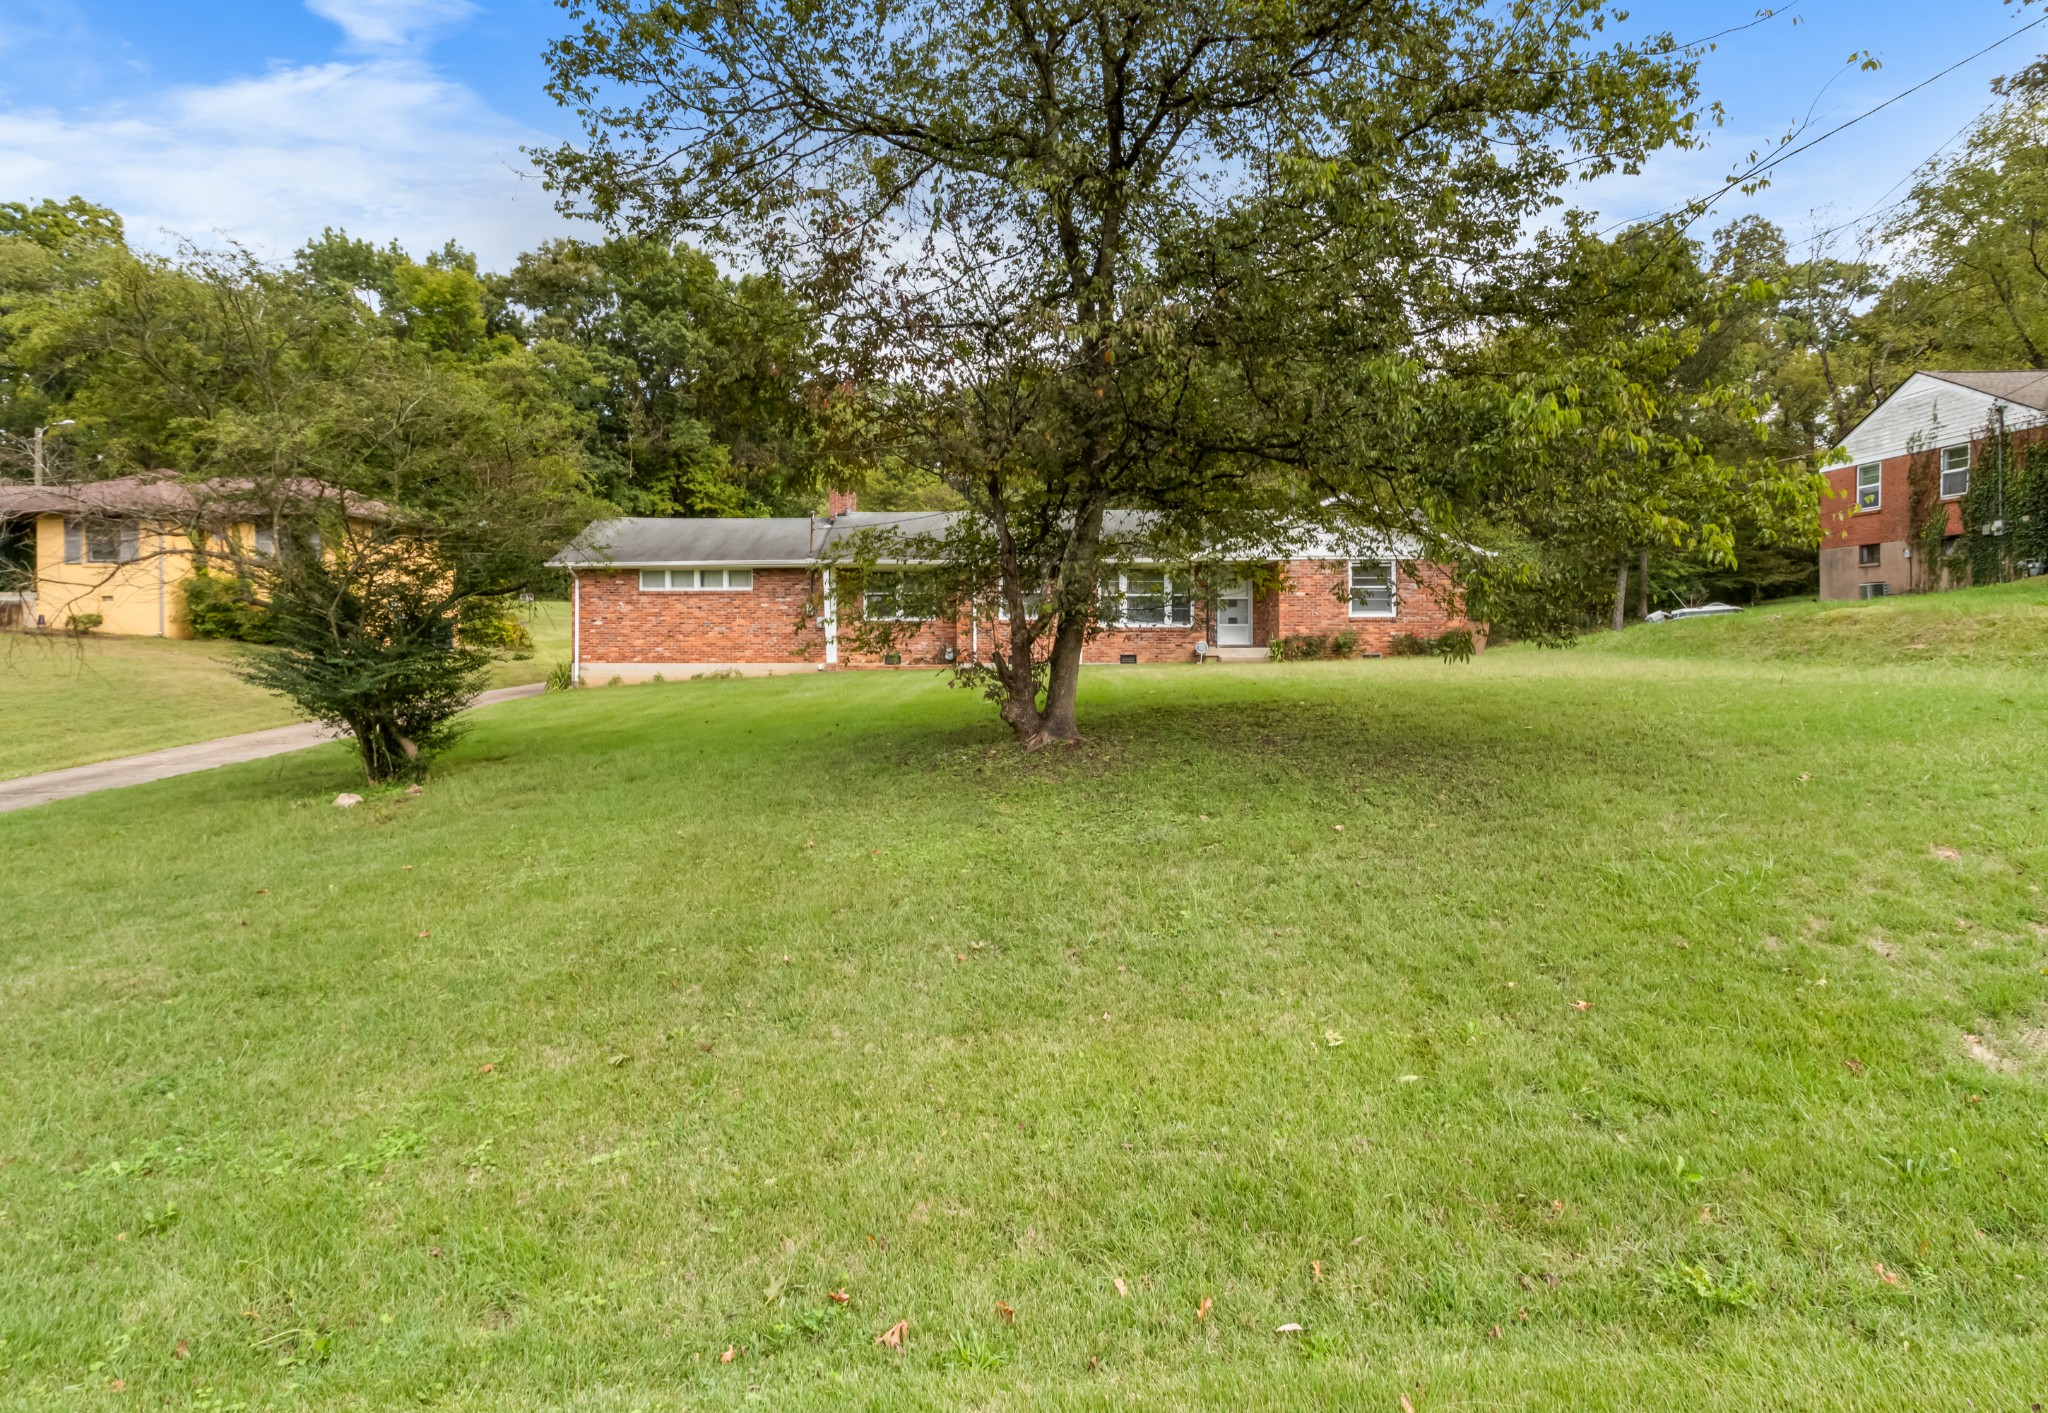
(1643, 586)
(1621, 596)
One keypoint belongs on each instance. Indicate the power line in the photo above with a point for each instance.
(1786, 155)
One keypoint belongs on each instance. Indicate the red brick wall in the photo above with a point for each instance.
(925, 645)
(622, 624)
(1842, 524)
(1317, 599)
(766, 625)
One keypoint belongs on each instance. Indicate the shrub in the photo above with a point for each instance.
(1344, 644)
(561, 677)
(1299, 647)
(1456, 645)
(86, 622)
(225, 608)
(493, 624)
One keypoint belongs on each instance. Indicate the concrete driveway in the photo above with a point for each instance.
(21, 793)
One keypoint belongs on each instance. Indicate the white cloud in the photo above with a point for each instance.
(383, 146)
(383, 24)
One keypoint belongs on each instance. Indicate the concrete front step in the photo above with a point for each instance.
(1216, 654)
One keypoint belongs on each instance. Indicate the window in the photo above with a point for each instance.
(1154, 599)
(1869, 487)
(893, 596)
(1878, 590)
(1868, 555)
(1955, 471)
(654, 581)
(1372, 588)
(266, 540)
(101, 541)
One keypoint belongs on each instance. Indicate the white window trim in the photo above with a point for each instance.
(1967, 468)
(727, 588)
(1123, 597)
(1393, 609)
(1876, 485)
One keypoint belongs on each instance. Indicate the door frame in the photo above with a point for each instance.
(1236, 589)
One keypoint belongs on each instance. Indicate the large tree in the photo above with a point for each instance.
(1221, 261)
(701, 391)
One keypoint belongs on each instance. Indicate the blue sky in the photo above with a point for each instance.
(265, 120)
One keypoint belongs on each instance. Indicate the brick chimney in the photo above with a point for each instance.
(838, 503)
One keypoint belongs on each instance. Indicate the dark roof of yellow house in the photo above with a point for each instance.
(162, 494)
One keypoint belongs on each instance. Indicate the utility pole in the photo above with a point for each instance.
(36, 447)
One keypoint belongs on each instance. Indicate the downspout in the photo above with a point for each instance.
(829, 621)
(575, 629)
(163, 622)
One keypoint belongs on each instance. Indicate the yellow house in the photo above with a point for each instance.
(123, 550)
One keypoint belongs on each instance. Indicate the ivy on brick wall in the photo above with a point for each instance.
(2005, 512)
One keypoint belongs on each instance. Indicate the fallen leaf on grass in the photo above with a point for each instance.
(1289, 1328)
(118, 1385)
(426, 934)
(1855, 1066)
(731, 1353)
(1888, 1277)
(183, 1351)
(1339, 828)
(1942, 851)
(1496, 1332)
(1202, 1310)
(892, 1338)
(1122, 1290)
(1003, 1309)
(1406, 1406)
(1582, 1005)
(617, 1060)
(1332, 1039)
(487, 1068)
(1315, 1269)
(838, 1297)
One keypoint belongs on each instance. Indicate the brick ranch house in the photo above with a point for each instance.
(1946, 419)
(679, 596)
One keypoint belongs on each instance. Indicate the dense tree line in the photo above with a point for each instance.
(1216, 265)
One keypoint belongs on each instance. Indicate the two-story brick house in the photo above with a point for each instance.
(1942, 422)
(677, 597)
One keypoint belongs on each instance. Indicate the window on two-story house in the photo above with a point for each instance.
(1869, 487)
(1955, 471)
(655, 581)
(1867, 555)
(1372, 588)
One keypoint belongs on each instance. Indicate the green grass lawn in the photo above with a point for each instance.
(68, 700)
(1582, 1029)
(2006, 624)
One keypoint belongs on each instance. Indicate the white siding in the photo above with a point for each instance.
(1926, 413)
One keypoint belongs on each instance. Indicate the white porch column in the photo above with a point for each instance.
(575, 628)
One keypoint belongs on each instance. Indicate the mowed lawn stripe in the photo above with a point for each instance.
(1043, 1027)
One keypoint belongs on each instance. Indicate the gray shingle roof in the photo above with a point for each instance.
(2025, 387)
(794, 541)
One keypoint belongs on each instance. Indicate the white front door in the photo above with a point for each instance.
(1234, 615)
